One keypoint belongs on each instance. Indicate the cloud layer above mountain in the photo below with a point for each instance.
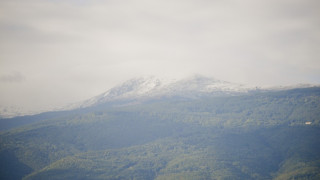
(70, 50)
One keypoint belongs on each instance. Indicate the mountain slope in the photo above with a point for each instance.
(253, 155)
(252, 136)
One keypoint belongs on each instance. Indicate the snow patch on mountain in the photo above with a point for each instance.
(296, 86)
(198, 83)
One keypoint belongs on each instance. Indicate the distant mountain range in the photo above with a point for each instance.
(146, 88)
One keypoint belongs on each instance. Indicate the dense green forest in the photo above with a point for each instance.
(262, 135)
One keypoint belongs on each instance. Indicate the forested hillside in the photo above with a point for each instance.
(261, 135)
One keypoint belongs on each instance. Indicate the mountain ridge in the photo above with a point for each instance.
(149, 87)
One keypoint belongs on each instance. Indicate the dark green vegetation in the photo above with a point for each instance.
(257, 136)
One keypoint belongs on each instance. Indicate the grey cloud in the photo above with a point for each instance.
(14, 77)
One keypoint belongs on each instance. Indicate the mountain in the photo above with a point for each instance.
(137, 91)
(140, 90)
(151, 87)
(237, 135)
(147, 88)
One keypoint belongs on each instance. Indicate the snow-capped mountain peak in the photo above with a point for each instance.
(154, 87)
(136, 86)
(151, 87)
(131, 89)
(146, 88)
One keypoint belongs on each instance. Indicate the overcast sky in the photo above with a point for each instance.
(54, 52)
